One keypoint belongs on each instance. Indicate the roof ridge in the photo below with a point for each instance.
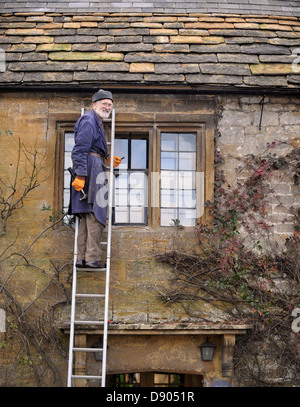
(265, 7)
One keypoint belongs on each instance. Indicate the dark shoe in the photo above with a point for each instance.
(95, 265)
(80, 263)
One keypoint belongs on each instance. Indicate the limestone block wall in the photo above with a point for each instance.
(245, 127)
(136, 277)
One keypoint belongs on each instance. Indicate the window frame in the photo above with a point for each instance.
(134, 135)
(187, 128)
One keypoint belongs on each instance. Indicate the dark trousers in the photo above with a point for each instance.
(89, 238)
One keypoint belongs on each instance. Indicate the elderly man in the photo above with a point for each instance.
(88, 155)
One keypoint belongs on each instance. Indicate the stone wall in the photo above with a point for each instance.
(247, 127)
(136, 278)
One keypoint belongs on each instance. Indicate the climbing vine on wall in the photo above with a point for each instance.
(243, 268)
(30, 347)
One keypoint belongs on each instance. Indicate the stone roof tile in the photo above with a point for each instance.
(115, 48)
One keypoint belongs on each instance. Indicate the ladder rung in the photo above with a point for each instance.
(86, 377)
(89, 269)
(89, 322)
(88, 349)
(90, 295)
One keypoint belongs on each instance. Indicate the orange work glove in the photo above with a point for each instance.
(78, 183)
(117, 161)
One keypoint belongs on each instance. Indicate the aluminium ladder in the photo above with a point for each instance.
(72, 377)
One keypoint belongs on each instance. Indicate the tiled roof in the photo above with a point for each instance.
(269, 7)
(193, 50)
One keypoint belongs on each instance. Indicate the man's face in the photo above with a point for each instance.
(103, 108)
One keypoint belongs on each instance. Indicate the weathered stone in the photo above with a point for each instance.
(141, 67)
(243, 33)
(193, 32)
(209, 49)
(128, 38)
(92, 31)
(214, 79)
(15, 56)
(163, 31)
(53, 47)
(169, 58)
(40, 18)
(115, 25)
(171, 48)
(23, 47)
(87, 18)
(146, 24)
(38, 40)
(129, 31)
(174, 25)
(86, 56)
(17, 25)
(209, 26)
(240, 40)
(10, 40)
(88, 47)
(47, 26)
(288, 59)
(295, 79)
(223, 69)
(276, 27)
(108, 66)
(176, 68)
(272, 69)
(24, 31)
(34, 56)
(186, 39)
(238, 58)
(129, 47)
(247, 26)
(163, 78)
(212, 40)
(73, 39)
(47, 66)
(48, 77)
(264, 49)
(11, 77)
(107, 76)
(285, 42)
(89, 24)
(156, 39)
(161, 19)
(60, 33)
(71, 25)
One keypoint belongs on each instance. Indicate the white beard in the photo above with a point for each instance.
(102, 113)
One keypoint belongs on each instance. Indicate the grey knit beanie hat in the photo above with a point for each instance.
(102, 94)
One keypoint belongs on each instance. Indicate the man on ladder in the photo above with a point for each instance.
(89, 196)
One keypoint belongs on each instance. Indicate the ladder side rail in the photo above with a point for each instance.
(74, 281)
(110, 201)
(74, 284)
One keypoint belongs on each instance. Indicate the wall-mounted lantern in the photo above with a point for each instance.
(207, 350)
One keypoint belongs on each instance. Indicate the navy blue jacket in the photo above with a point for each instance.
(89, 137)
